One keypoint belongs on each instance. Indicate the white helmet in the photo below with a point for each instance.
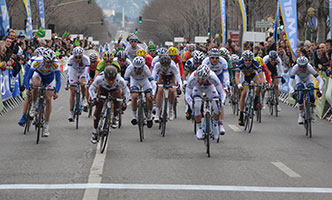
(203, 72)
(224, 52)
(302, 61)
(138, 62)
(39, 51)
(49, 55)
(234, 58)
(78, 51)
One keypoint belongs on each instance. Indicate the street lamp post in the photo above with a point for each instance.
(209, 28)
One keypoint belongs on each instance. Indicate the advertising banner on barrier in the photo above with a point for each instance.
(284, 87)
(1, 104)
(320, 102)
(328, 93)
(5, 86)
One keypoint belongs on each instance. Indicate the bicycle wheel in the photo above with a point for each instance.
(233, 105)
(276, 105)
(28, 120)
(250, 118)
(105, 131)
(246, 115)
(77, 108)
(140, 115)
(120, 118)
(174, 107)
(90, 110)
(164, 118)
(207, 121)
(39, 122)
(307, 120)
(259, 111)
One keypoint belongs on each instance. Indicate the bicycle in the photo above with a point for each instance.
(307, 111)
(105, 121)
(207, 123)
(249, 108)
(272, 99)
(163, 111)
(28, 120)
(39, 114)
(141, 112)
(78, 103)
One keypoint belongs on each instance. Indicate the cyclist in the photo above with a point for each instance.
(224, 53)
(161, 52)
(173, 53)
(274, 64)
(204, 80)
(219, 66)
(148, 59)
(302, 73)
(152, 50)
(234, 59)
(123, 61)
(252, 71)
(139, 76)
(108, 82)
(44, 70)
(38, 52)
(107, 60)
(94, 60)
(167, 73)
(187, 55)
(190, 66)
(133, 47)
(266, 76)
(78, 66)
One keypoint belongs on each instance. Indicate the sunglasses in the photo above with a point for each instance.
(247, 60)
(138, 68)
(78, 57)
(302, 66)
(164, 67)
(173, 56)
(133, 41)
(214, 57)
(273, 60)
(121, 60)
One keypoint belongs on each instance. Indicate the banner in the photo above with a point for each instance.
(1, 104)
(330, 8)
(28, 26)
(5, 85)
(244, 15)
(284, 87)
(223, 21)
(289, 16)
(4, 16)
(328, 93)
(276, 24)
(40, 4)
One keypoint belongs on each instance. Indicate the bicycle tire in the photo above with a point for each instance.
(251, 118)
(27, 121)
(276, 105)
(233, 105)
(77, 108)
(39, 123)
(246, 116)
(207, 120)
(140, 115)
(259, 111)
(174, 107)
(164, 118)
(120, 118)
(105, 131)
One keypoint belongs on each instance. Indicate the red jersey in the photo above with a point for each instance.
(265, 69)
(178, 61)
(148, 60)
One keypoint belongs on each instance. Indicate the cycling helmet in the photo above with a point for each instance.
(133, 38)
(234, 58)
(49, 55)
(191, 47)
(259, 60)
(120, 48)
(172, 51)
(165, 60)
(101, 49)
(138, 62)
(152, 47)
(110, 72)
(224, 52)
(39, 51)
(248, 54)
(141, 52)
(302, 61)
(122, 54)
(214, 51)
(108, 55)
(198, 56)
(273, 55)
(93, 57)
(78, 51)
(162, 52)
(203, 72)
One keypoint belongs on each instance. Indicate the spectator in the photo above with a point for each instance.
(3, 63)
(321, 61)
(284, 58)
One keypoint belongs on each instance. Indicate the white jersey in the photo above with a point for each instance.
(304, 77)
(79, 68)
(141, 79)
(173, 69)
(221, 68)
(266, 60)
(131, 53)
(154, 61)
(212, 81)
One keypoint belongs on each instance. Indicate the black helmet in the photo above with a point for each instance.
(110, 72)
(165, 60)
(273, 55)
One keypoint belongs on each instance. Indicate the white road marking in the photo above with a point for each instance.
(286, 169)
(164, 187)
(95, 176)
(234, 128)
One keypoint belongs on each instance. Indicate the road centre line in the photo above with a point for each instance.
(286, 169)
(178, 187)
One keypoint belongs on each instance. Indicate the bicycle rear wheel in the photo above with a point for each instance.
(207, 123)
(164, 118)
(105, 131)
(250, 119)
(259, 111)
(28, 120)
(77, 108)
(276, 105)
(39, 122)
(140, 121)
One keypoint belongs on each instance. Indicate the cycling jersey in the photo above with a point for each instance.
(131, 53)
(274, 68)
(304, 77)
(250, 72)
(186, 56)
(144, 79)
(173, 70)
(28, 66)
(148, 60)
(124, 67)
(178, 62)
(78, 70)
(47, 75)
(221, 70)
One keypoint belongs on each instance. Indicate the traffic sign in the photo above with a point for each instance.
(167, 43)
(201, 39)
(263, 24)
(179, 39)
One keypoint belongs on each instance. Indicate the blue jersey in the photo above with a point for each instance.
(248, 71)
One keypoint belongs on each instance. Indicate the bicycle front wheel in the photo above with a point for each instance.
(207, 128)
(77, 108)
(105, 131)
(164, 118)
(140, 122)
(39, 122)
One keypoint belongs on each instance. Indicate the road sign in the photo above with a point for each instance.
(178, 39)
(201, 39)
(263, 24)
(90, 39)
(168, 43)
(254, 36)
(234, 35)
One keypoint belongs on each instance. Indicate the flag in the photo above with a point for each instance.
(65, 34)
(4, 17)
(28, 26)
(244, 15)
(77, 43)
(40, 4)
(289, 16)
(41, 33)
(276, 24)
(223, 20)
(330, 9)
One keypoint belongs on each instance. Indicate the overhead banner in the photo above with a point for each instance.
(40, 4)
(289, 16)
(330, 8)
(276, 24)
(28, 25)
(244, 15)
(4, 17)
(223, 20)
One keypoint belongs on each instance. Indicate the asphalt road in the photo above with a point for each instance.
(275, 161)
